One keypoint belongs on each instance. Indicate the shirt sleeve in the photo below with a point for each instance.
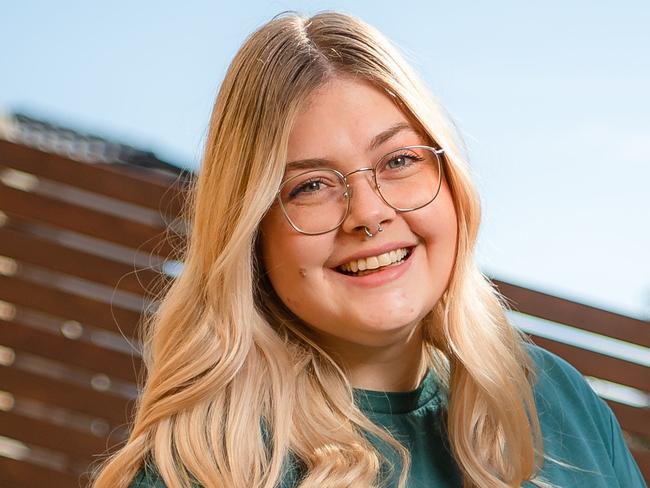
(582, 407)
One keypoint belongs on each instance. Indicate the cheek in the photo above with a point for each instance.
(445, 239)
(291, 275)
(450, 220)
(290, 259)
(438, 229)
(436, 225)
(444, 213)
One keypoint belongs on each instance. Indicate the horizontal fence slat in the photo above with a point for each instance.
(598, 365)
(642, 458)
(150, 189)
(68, 305)
(51, 436)
(113, 408)
(576, 314)
(39, 208)
(41, 252)
(633, 419)
(21, 474)
(70, 351)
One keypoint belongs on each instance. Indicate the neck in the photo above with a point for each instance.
(399, 366)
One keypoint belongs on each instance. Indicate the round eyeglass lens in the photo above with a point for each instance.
(409, 178)
(315, 201)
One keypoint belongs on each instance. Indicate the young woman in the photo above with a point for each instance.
(330, 327)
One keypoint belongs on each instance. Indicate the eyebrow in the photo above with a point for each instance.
(381, 138)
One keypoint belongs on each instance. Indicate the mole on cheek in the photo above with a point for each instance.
(303, 272)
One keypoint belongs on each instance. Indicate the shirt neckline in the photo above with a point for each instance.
(398, 402)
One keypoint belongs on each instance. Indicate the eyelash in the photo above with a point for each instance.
(298, 188)
(410, 156)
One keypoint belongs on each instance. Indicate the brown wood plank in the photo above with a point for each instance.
(149, 188)
(20, 474)
(68, 305)
(632, 419)
(598, 365)
(115, 409)
(39, 208)
(41, 252)
(69, 351)
(51, 436)
(576, 314)
(642, 458)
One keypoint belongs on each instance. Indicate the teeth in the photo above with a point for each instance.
(384, 259)
(374, 262)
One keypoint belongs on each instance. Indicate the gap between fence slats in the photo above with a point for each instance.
(76, 352)
(66, 305)
(598, 365)
(109, 406)
(77, 444)
(576, 314)
(39, 208)
(41, 252)
(157, 192)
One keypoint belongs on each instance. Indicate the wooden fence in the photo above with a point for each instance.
(83, 248)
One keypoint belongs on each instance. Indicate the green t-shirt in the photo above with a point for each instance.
(578, 429)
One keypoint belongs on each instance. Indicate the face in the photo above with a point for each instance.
(380, 308)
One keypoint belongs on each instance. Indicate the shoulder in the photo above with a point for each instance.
(578, 428)
(551, 367)
(563, 396)
(558, 381)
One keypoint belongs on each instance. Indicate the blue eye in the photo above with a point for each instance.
(402, 161)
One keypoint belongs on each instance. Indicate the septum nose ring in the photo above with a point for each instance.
(370, 234)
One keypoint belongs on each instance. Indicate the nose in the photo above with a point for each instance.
(367, 208)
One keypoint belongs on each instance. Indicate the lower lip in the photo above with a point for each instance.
(378, 278)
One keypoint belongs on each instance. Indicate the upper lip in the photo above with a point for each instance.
(375, 251)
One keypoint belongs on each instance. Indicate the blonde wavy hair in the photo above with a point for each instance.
(235, 383)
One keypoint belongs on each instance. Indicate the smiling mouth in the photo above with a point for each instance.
(372, 264)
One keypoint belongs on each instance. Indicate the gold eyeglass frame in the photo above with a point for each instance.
(348, 189)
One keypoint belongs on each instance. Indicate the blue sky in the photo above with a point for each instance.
(552, 99)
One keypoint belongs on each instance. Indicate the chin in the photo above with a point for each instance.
(387, 331)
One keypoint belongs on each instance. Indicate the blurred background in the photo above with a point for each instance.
(551, 99)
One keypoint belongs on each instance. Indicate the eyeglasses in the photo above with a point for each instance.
(318, 201)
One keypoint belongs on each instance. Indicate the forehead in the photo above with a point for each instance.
(341, 115)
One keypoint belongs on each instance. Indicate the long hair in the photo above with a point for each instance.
(235, 384)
